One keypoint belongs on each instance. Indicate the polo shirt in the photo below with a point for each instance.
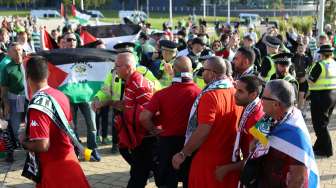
(12, 78)
(174, 104)
(3, 63)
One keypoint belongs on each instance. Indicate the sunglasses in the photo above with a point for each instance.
(268, 98)
(70, 39)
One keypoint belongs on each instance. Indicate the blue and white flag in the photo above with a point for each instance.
(292, 138)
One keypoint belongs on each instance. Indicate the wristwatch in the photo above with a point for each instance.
(182, 154)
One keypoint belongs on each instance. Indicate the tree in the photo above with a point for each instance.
(330, 11)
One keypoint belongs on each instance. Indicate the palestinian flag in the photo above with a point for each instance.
(82, 17)
(113, 34)
(47, 41)
(87, 37)
(80, 72)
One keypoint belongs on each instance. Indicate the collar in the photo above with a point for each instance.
(248, 71)
(132, 77)
(183, 77)
(286, 116)
(41, 89)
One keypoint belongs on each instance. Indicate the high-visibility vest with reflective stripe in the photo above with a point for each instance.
(166, 79)
(289, 78)
(272, 70)
(112, 84)
(327, 78)
(197, 78)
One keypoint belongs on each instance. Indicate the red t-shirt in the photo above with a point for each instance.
(174, 104)
(245, 136)
(217, 109)
(60, 157)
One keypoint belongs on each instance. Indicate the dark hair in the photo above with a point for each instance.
(248, 53)
(253, 83)
(37, 68)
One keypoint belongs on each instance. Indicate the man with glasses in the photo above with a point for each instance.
(206, 131)
(70, 40)
(288, 158)
(84, 106)
(173, 119)
(132, 136)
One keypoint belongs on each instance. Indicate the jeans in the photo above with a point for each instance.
(15, 119)
(102, 119)
(89, 116)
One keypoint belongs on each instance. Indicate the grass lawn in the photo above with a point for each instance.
(20, 13)
(157, 19)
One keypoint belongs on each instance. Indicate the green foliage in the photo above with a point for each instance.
(330, 11)
(88, 3)
(300, 24)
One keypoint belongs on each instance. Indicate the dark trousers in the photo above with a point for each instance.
(142, 164)
(168, 177)
(102, 119)
(322, 105)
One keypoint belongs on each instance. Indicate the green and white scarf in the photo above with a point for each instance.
(193, 123)
(48, 105)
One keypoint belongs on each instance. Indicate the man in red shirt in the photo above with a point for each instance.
(138, 91)
(212, 129)
(173, 104)
(59, 165)
(248, 89)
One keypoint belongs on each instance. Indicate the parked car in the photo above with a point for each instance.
(44, 13)
(95, 13)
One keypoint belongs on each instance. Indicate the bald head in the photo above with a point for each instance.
(126, 58)
(182, 64)
(125, 65)
(218, 65)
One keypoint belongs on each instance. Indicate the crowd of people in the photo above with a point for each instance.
(185, 108)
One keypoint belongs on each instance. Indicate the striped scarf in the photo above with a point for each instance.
(250, 108)
(193, 123)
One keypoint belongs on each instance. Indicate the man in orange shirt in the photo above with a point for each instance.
(212, 129)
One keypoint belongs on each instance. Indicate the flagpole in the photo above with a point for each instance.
(82, 4)
(204, 8)
(320, 22)
(171, 12)
(229, 14)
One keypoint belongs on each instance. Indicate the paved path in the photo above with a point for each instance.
(113, 171)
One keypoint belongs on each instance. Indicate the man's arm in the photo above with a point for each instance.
(147, 122)
(41, 145)
(196, 139)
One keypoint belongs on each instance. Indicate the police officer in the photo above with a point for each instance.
(282, 66)
(267, 65)
(127, 46)
(322, 85)
(162, 69)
